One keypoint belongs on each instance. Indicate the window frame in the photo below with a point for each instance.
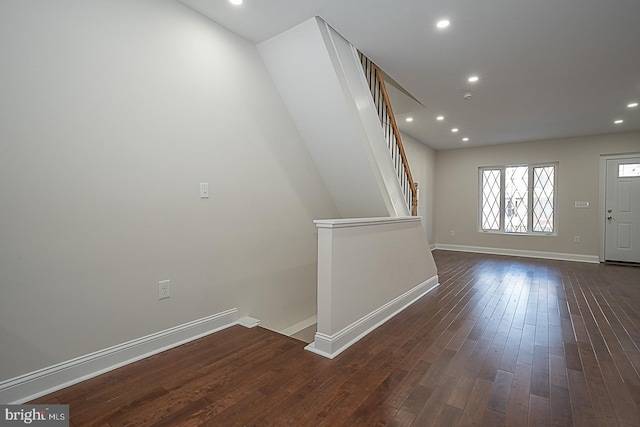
(530, 195)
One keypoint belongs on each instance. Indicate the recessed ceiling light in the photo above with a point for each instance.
(619, 121)
(454, 130)
(632, 105)
(465, 139)
(236, 2)
(409, 119)
(473, 79)
(440, 118)
(443, 23)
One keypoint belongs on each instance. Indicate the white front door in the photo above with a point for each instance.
(622, 210)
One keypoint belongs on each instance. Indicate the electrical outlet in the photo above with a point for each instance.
(163, 289)
(576, 239)
(452, 233)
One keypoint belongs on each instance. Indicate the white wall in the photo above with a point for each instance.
(577, 180)
(111, 114)
(422, 161)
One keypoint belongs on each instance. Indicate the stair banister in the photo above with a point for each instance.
(392, 134)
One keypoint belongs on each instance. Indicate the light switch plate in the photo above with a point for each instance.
(164, 289)
(204, 190)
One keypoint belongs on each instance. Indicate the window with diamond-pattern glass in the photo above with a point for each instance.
(543, 196)
(516, 199)
(491, 199)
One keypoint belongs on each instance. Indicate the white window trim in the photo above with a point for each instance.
(530, 231)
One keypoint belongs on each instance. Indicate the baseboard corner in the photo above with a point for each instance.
(330, 346)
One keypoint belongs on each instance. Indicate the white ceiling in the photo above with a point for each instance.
(547, 68)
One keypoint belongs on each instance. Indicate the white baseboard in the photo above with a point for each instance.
(519, 252)
(332, 345)
(299, 326)
(44, 381)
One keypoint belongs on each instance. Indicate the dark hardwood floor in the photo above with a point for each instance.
(502, 341)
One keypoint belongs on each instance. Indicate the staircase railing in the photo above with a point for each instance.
(391, 132)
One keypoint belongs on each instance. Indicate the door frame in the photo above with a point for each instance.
(603, 194)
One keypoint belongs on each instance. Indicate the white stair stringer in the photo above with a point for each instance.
(320, 78)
